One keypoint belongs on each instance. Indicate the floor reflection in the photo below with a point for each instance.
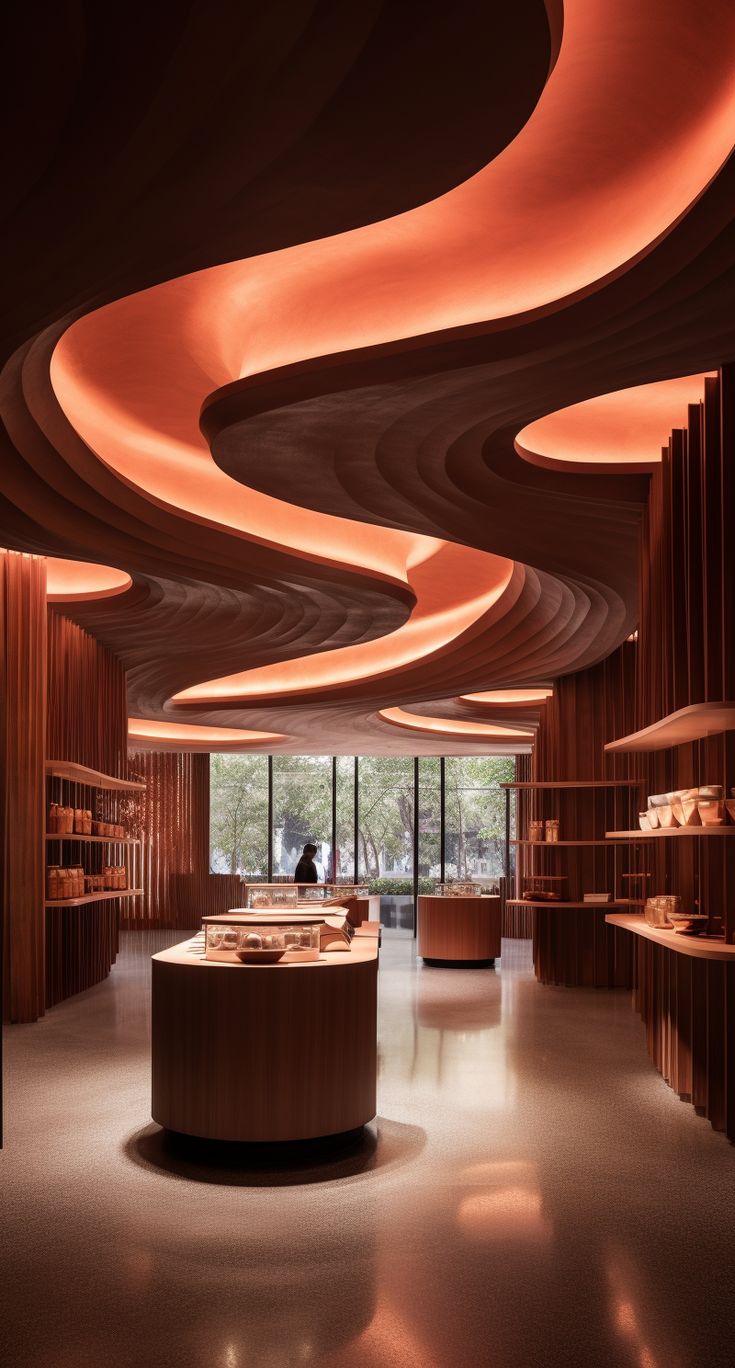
(532, 1193)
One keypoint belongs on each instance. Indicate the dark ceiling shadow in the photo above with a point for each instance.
(382, 1144)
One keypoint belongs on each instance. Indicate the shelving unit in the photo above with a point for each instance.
(590, 875)
(667, 832)
(67, 778)
(552, 845)
(95, 840)
(573, 784)
(94, 897)
(693, 723)
(550, 903)
(81, 774)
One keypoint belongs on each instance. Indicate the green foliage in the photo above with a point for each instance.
(302, 809)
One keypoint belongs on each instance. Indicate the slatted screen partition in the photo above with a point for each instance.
(87, 722)
(174, 817)
(22, 726)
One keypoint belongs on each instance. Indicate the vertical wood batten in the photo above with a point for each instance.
(22, 740)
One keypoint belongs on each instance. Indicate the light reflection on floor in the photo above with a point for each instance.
(537, 1195)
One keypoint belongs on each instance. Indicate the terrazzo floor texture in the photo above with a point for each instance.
(531, 1193)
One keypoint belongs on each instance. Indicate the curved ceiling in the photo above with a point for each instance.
(310, 458)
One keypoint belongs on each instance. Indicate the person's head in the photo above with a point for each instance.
(309, 851)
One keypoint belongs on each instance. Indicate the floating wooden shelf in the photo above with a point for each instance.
(692, 723)
(94, 897)
(697, 947)
(575, 784)
(663, 833)
(552, 845)
(552, 903)
(80, 774)
(98, 840)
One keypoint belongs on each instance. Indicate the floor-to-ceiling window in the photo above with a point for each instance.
(344, 790)
(390, 821)
(238, 822)
(385, 834)
(302, 811)
(474, 845)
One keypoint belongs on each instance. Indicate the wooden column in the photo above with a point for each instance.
(22, 789)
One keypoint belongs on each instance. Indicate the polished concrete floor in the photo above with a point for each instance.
(531, 1193)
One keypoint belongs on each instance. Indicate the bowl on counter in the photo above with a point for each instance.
(260, 956)
(689, 923)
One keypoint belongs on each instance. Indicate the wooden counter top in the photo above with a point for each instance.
(191, 955)
(697, 947)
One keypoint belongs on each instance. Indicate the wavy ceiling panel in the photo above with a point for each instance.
(350, 529)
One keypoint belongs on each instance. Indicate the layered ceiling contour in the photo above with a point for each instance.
(340, 342)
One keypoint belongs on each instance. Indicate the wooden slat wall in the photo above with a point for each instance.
(685, 648)
(87, 700)
(684, 654)
(22, 754)
(87, 721)
(688, 1009)
(576, 947)
(517, 922)
(174, 817)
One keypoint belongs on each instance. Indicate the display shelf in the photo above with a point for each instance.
(666, 832)
(552, 903)
(574, 784)
(696, 947)
(552, 845)
(96, 840)
(81, 774)
(693, 723)
(94, 897)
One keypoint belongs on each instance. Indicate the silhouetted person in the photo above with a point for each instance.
(306, 869)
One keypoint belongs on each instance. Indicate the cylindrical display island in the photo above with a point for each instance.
(462, 930)
(264, 1052)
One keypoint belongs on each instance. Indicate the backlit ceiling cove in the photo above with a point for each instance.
(374, 459)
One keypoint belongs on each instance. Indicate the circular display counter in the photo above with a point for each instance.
(264, 1053)
(462, 931)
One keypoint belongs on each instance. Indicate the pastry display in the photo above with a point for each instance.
(246, 937)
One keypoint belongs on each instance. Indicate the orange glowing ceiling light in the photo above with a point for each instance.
(508, 697)
(454, 727)
(150, 734)
(620, 431)
(69, 581)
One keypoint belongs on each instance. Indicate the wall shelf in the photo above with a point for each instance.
(96, 840)
(551, 903)
(696, 947)
(668, 832)
(553, 845)
(95, 897)
(574, 784)
(693, 723)
(81, 774)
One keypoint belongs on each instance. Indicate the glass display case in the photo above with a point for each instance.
(321, 893)
(274, 896)
(456, 890)
(240, 938)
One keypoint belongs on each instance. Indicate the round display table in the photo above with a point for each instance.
(463, 931)
(264, 1052)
